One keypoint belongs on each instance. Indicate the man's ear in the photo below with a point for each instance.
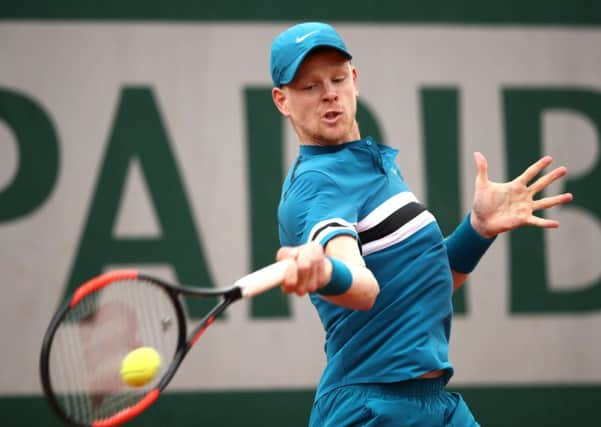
(355, 80)
(280, 100)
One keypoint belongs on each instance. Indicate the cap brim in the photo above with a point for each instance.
(293, 68)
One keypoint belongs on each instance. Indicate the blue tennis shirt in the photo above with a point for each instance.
(357, 189)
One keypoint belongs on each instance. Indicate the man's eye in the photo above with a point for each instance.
(338, 79)
(309, 86)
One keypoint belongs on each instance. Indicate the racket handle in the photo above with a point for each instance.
(263, 280)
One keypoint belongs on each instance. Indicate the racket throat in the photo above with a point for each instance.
(233, 294)
(201, 331)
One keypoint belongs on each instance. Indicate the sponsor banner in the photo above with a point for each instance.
(495, 12)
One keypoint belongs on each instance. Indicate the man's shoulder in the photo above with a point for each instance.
(308, 180)
(335, 165)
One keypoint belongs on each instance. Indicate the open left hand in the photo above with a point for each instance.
(500, 207)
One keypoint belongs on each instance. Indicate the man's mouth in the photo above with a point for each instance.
(331, 116)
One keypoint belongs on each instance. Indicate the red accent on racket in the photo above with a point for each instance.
(129, 412)
(99, 282)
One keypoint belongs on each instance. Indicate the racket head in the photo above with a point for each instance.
(91, 333)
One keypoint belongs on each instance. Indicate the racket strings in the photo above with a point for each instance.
(94, 337)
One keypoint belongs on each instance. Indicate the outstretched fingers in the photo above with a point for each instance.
(545, 203)
(544, 181)
(549, 202)
(534, 169)
(542, 222)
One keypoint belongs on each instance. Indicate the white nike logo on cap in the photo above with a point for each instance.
(301, 38)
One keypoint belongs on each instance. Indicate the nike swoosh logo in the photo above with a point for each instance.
(299, 39)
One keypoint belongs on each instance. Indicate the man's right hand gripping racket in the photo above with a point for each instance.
(106, 319)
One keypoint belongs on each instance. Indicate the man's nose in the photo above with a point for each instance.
(330, 92)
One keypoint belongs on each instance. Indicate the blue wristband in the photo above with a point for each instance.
(465, 247)
(341, 279)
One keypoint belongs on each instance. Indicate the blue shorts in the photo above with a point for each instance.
(414, 403)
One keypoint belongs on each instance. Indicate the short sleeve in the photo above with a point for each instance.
(316, 208)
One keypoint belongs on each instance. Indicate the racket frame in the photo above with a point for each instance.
(80, 293)
(248, 286)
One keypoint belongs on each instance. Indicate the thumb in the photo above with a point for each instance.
(286, 252)
(482, 166)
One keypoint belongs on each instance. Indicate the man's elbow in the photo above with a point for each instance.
(367, 301)
(362, 300)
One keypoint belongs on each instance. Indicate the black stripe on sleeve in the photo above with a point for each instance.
(330, 224)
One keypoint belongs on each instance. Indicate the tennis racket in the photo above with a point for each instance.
(113, 314)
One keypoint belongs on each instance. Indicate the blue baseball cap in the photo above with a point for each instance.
(292, 46)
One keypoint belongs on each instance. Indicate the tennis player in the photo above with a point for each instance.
(370, 255)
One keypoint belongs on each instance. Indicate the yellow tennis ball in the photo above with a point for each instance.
(140, 366)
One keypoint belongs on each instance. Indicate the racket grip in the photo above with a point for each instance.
(262, 280)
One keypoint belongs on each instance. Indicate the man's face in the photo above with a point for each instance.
(321, 101)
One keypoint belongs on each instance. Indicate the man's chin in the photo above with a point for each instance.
(334, 137)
